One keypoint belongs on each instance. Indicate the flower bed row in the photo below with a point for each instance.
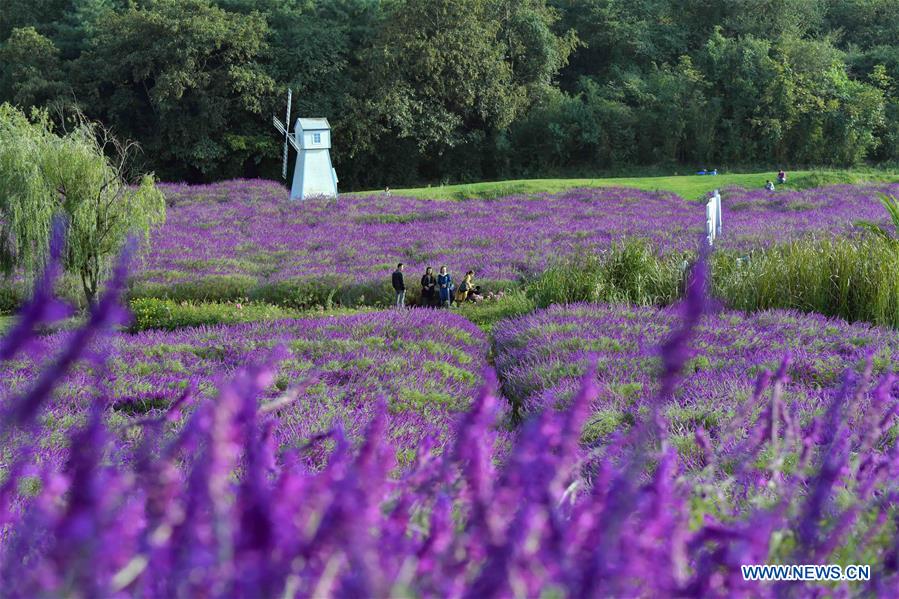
(424, 364)
(541, 358)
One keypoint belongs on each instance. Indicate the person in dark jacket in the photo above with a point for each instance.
(428, 288)
(399, 285)
(445, 285)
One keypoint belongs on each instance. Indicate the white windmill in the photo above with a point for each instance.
(313, 174)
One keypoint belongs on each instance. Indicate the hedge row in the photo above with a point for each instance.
(292, 294)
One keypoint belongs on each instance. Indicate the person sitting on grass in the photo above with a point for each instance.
(465, 287)
(769, 185)
(428, 288)
(781, 177)
(445, 286)
(399, 285)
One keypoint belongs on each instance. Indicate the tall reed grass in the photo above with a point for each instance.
(632, 273)
(854, 279)
(857, 280)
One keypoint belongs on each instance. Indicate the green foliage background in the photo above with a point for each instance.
(431, 91)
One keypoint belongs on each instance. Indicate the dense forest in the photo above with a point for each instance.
(455, 90)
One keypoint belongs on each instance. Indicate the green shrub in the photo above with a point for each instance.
(153, 313)
(634, 273)
(853, 279)
(605, 422)
(299, 293)
(824, 178)
(12, 294)
(378, 294)
(324, 291)
(629, 273)
(215, 288)
(573, 279)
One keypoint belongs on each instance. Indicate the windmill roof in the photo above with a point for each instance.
(314, 124)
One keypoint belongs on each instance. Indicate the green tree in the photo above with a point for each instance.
(184, 78)
(790, 101)
(31, 73)
(437, 90)
(620, 36)
(676, 117)
(533, 49)
(767, 19)
(744, 75)
(831, 118)
(446, 77)
(81, 174)
(40, 14)
(880, 67)
(318, 50)
(78, 24)
(864, 23)
(440, 73)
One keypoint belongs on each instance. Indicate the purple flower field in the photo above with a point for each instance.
(541, 359)
(217, 508)
(249, 229)
(649, 452)
(758, 218)
(426, 365)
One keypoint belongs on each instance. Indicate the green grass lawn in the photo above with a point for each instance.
(691, 187)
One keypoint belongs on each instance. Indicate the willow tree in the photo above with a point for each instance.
(81, 174)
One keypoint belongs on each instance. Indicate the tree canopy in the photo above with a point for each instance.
(434, 90)
(80, 175)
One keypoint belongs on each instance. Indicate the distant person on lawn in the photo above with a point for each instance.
(445, 285)
(781, 177)
(465, 287)
(428, 288)
(399, 285)
(769, 185)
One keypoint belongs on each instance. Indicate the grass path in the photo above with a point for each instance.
(691, 187)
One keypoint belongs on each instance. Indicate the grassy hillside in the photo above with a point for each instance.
(691, 187)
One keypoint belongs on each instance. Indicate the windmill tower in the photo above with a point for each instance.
(313, 174)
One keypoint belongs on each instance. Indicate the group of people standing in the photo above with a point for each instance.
(436, 291)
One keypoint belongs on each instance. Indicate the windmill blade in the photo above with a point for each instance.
(289, 97)
(279, 125)
(286, 134)
(284, 155)
(288, 138)
(285, 130)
